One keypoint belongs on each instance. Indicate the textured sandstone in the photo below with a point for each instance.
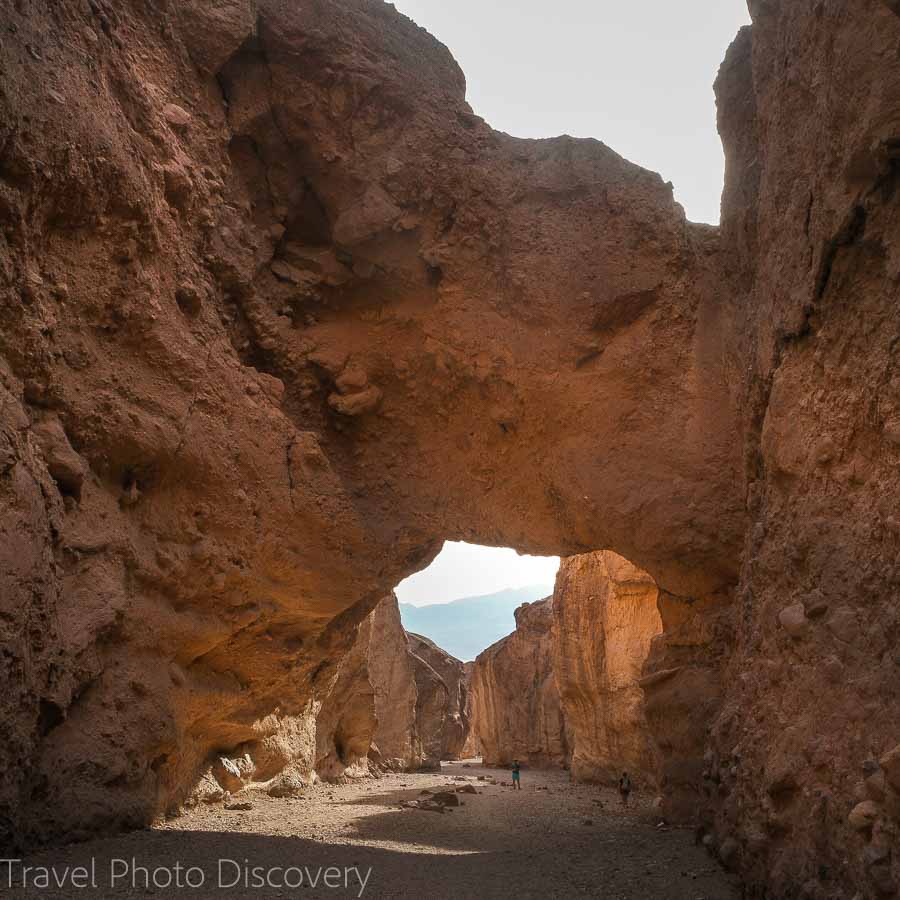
(346, 722)
(398, 702)
(441, 717)
(565, 688)
(392, 674)
(246, 322)
(516, 709)
(472, 746)
(394, 701)
(327, 318)
(606, 618)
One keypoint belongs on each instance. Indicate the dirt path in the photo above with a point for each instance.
(565, 841)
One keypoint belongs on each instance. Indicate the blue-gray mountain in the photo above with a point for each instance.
(467, 626)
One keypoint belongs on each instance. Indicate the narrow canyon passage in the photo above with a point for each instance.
(281, 313)
(552, 839)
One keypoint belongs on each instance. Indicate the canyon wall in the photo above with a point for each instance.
(247, 299)
(279, 314)
(516, 709)
(395, 702)
(441, 715)
(564, 689)
(810, 696)
(395, 743)
(606, 617)
(398, 702)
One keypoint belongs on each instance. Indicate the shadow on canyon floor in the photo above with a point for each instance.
(568, 840)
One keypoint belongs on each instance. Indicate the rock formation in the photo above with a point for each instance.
(516, 709)
(472, 747)
(346, 723)
(279, 314)
(441, 716)
(606, 617)
(395, 701)
(395, 742)
(564, 689)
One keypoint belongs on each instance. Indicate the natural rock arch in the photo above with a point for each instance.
(279, 314)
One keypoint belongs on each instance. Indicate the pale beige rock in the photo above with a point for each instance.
(346, 723)
(793, 620)
(606, 618)
(228, 773)
(206, 790)
(391, 669)
(289, 783)
(516, 710)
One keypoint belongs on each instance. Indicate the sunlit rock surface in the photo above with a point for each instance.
(279, 314)
(516, 709)
(606, 617)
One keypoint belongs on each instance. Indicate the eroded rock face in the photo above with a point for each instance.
(807, 712)
(392, 671)
(278, 314)
(516, 708)
(245, 300)
(394, 701)
(347, 720)
(606, 617)
(398, 701)
(442, 722)
(420, 695)
(565, 688)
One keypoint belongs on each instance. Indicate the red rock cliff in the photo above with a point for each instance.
(279, 314)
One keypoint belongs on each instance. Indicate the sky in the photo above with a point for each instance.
(637, 76)
(467, 570)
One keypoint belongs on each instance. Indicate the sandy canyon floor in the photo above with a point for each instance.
(552, 839)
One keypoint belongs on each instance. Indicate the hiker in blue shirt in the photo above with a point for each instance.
(517, 785)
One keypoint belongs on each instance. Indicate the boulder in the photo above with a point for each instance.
(793, 620)
(206, 790)
(213, 30)
(864, 815)
(287, 784)
(228, 773)
(65, 466)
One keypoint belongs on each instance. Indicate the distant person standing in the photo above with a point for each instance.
(516, 769)
(625, 789)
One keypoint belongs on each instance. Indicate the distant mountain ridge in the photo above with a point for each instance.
(465, 627)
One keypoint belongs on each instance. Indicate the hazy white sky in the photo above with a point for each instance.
(465, 570)
(637, 76)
